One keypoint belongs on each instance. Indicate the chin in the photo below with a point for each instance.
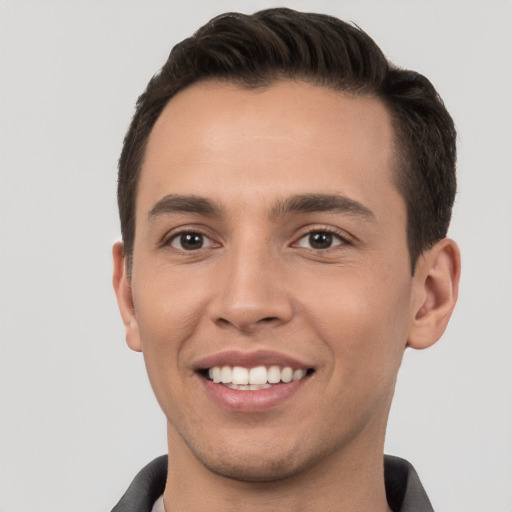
(271, 470)
(256, 463)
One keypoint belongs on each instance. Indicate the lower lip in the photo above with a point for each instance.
(252, 400)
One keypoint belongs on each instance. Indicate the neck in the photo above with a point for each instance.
(351, 479)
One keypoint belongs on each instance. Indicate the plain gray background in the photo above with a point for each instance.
(78, 418)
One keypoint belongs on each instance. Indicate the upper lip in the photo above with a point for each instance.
(250, 359)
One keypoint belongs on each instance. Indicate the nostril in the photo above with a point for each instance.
(268, 319)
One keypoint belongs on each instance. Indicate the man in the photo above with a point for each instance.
(284, 194)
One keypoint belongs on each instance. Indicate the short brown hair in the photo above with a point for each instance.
(275, 44)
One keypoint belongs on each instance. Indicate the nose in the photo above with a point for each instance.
(251, 291)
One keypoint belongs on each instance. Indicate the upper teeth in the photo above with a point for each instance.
(258, 375)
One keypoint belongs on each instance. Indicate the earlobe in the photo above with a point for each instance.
(123, 289)
(436, 286)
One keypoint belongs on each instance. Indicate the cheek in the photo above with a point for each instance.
(167, 306)
(363, 320)
(166, 321)
(168, 311)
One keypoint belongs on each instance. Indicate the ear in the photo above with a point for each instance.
(435, 291)
(124, 296)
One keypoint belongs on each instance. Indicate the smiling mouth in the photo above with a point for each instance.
(255, 378)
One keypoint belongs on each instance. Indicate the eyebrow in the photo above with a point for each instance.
(310, 203)
(301, 203)
(174, 203)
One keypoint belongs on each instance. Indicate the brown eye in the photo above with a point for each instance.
(320, 240)
(190, 241)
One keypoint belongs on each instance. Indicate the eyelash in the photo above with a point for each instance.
(343, 239)
(176, 236)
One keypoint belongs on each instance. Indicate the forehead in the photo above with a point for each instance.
(290, 137)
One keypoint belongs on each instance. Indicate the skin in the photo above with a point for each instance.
(347, 308)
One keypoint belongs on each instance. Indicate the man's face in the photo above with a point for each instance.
(269, 235)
